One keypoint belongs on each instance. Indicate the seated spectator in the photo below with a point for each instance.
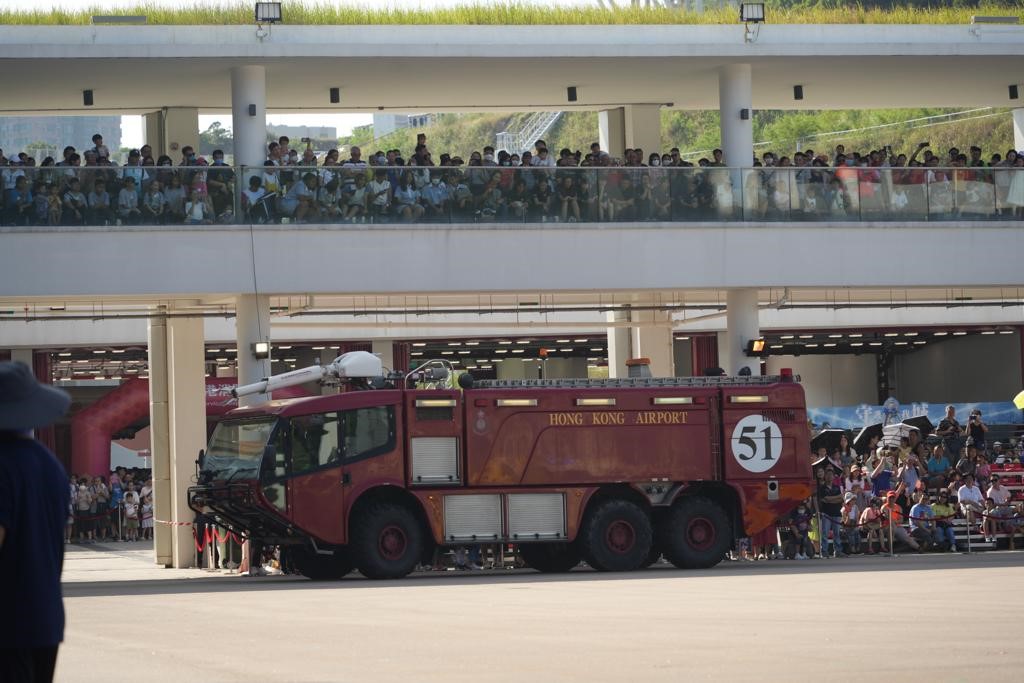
(881, 476)
(800, 527)
(541, 202)
(407, 199)
(943, 513)
(198, 210)
(74, 204)
(358, 199)
(870, 522)
(380, 194)
(100, 211)
(518, 199)
(922, 522)
(174, 199)
(154, 206)
(568, 199)
(300, 200)
(18, 203)
(460, 198)
(434, 197)
(128, 211)
(972, 503)
(491, 202)
(623, 200)
(328, 199)
(892, 523)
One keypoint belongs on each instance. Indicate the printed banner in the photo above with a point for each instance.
(857, 417)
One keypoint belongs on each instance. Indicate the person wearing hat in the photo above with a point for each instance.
(892, 515)
(34, 500)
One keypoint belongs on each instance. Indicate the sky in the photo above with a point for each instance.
(132, 127)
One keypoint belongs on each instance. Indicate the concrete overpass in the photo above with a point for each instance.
(628, 73)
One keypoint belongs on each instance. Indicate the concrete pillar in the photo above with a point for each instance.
(153, 124)
(643, 128)
(513, 368)
(565, 368)
(652, 338)
(620, 344)
(249, 115)
(611, 124)
(26, 356)
(172, 128)
(734, 95)
(186, 400)
(742, 325)
(159, 440)
(1018, 128)
(385, 350)
(252, 321)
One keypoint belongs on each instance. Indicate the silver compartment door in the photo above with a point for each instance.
(536, 516)
(435, 460)
(473, 517)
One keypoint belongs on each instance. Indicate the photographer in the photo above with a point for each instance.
(951, 433)
(976, 429)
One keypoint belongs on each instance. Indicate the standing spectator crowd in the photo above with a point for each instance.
(114, 508)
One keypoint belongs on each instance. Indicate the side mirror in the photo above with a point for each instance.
(202, 458)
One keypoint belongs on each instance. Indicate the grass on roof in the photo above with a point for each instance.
(511, 13)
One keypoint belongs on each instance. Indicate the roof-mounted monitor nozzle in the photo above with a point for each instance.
(357, 365)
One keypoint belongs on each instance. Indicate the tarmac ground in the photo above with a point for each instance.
(943, 617)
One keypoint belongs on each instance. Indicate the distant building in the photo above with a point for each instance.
(296, 133)
(49, 135)
(385, 124)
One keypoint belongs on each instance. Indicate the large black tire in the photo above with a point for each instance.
(653, 556)
(695, 534)
(322, 567)
(550, 558)
(386, 541)
(616, 536)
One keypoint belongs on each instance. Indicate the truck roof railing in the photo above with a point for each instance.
(626, 382)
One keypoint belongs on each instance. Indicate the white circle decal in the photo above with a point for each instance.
(756, 443)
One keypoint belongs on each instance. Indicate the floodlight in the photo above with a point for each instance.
(261, 350)
(752, 12)
(268, 12)
(755, 347)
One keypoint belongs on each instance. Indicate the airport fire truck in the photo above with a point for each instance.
(615, 472)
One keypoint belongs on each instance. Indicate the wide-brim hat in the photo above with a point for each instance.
(24, 402)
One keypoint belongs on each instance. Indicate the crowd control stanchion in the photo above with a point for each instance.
(892, 548)
(969, 511)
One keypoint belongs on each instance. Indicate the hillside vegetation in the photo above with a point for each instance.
(991, 129)
(513, 13)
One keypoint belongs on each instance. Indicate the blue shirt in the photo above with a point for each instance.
(918, 514)
(34, 499)
(938, 466)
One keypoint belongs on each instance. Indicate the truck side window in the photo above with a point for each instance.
(314, 442)
(368, 432)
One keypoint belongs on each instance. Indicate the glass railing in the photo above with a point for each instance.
(210, 195)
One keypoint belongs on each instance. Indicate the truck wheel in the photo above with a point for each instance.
(616, 536)
(652, 556)
(552, 558)
(322, 567)
(695, 534)
(386, 541)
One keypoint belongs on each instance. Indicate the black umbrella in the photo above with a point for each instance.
(860, 442)
(923, 424)
(825, 463)
(827, 439)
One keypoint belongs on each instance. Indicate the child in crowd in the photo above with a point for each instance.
(128, 203)
(131, 517)
(154, 206)
(147, 518)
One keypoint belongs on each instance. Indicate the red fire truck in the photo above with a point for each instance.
(614, 472)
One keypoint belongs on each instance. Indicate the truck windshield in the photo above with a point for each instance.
(236, 448)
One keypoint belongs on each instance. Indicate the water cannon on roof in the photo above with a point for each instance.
(358, 366)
